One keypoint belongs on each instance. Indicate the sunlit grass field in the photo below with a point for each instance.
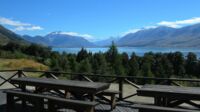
(10, 64)
(15, 64)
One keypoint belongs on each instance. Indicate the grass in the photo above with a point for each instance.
(10, 64)
(14, 64)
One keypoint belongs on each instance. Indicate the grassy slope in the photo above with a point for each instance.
(13, 64)
(7, 64)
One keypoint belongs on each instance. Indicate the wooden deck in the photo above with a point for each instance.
(129, 89)
(103, 107)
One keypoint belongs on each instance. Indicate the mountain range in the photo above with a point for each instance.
(59, 39)
(162, 36)
(106, 42)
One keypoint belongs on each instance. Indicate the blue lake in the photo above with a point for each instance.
(129, 50)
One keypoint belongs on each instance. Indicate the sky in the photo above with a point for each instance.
(95, 19)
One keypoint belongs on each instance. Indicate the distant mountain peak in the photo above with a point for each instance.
(55, 33)
(61, 34)
(164, 36)
(107, 42)
(61, 39)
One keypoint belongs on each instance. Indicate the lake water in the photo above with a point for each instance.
(129, 50)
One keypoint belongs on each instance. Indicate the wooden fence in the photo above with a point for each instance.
(120, 80)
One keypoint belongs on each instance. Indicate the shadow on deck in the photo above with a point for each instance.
(102, 107)
(98, 108)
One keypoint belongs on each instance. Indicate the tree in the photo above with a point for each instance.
(134, 65)
(64, 62)
(12, 46)
(118, 67)
(167, 66)
(147, 65)
(82, 54)
(197, 69)
(73, 64)
(125, 62)
(85, 66)
(99, 64)
(115, 60)
(178, 64)
(191, 64)
(157, 66)
(112, 54)
(103, 65)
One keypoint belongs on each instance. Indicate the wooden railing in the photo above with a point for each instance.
(120, 80)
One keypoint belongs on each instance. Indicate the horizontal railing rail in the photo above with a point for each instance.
(120, 80)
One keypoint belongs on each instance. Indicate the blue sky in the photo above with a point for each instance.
(95, 19)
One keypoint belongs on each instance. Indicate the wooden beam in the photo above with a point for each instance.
(131, 83)
(87, 78)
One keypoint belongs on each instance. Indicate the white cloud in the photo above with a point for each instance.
(31, 28)
(138, 29)
(86, 36)
(19, 26)
(149, 27)
(169, 24)
(173, 24)
(180, 23)
(6, 21)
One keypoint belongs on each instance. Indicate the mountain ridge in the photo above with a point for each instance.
(162, 36)
(106, 42)
(9, 36)
(58, 39)
(188, 36)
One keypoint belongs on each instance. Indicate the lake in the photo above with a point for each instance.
(129, 50)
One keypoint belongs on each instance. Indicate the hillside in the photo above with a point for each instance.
(8, 36)
(14, 64)
(37, 39)
(188, 36)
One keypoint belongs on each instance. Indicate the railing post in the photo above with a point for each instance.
(120, 81)
(71, 77)
(169, 82)
(80, 77)
(19, 72)
(46, 74)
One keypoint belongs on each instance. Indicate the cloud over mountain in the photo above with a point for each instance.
(19, 26)
(172, 24)
(180, 23)
(86, 36)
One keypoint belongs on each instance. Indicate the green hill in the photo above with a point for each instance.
(8, 36)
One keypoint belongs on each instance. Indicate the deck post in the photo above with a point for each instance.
(121, 82)
(10, 103)
(80, 77)
(47, 74)
(19, 72)
(169, 82)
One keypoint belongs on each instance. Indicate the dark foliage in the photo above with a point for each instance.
(108, 63)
